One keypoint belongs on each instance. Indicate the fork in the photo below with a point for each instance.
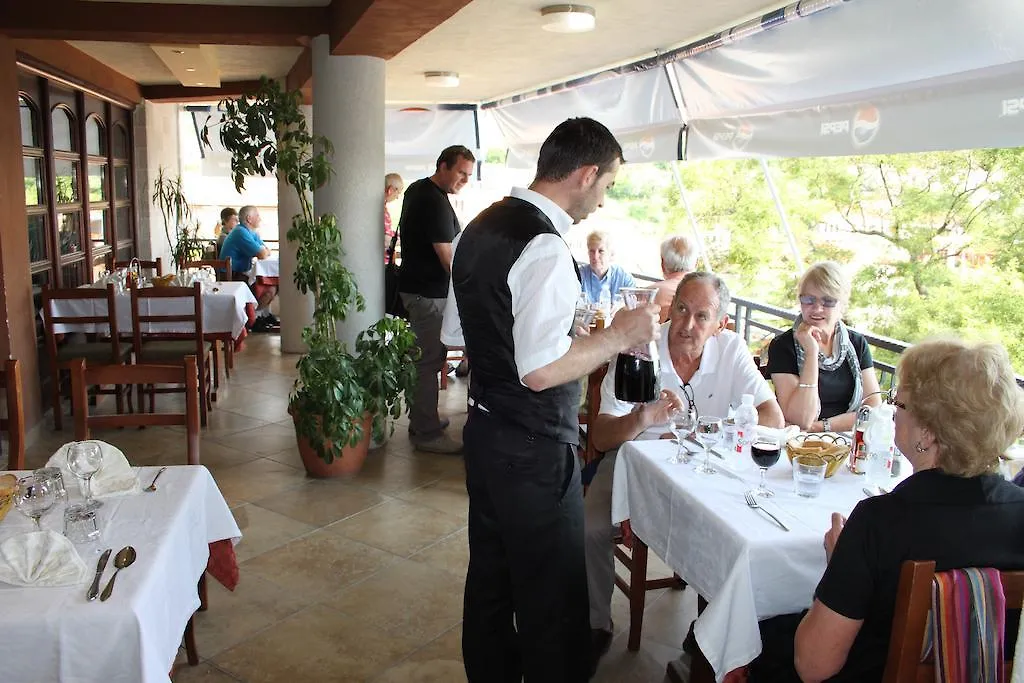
(753, 504)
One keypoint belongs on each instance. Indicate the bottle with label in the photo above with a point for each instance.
(746, 424)
(858, 452)
(880, 437)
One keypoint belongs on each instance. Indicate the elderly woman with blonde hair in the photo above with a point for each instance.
(958, 408)
(821, 369)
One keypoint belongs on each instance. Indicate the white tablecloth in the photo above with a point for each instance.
(268, 267)
(735, 557)
(223, 311)
(55, 634)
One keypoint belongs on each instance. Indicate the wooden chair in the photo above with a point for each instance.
(14, 423)
(913, 603)
(102, 319)
(187, 374)
(156, 266)
(455, 355)
(634, 558)
(171, 348)
(220, 266)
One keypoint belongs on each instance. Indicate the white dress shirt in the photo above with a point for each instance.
(726, 372)
(544, 291)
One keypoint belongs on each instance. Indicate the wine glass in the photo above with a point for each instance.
(764, 450)
(33, 497)
(709, 433)
(85, 459)
(681, 423)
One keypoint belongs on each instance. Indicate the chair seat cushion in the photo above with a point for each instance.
(92, 352)
(168, 349)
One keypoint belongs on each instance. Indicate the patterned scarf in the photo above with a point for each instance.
(842, 352)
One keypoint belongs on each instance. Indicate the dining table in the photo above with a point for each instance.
(227, 307)
(744, 564)
(57, 634)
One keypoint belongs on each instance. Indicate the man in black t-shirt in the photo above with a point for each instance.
(427, 227)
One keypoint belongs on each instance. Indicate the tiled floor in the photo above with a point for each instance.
(346, 580)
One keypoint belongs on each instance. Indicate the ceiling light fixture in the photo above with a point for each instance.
(442, 79)
(190, 69)
(568, 18)
(200, 83)
(178, 52)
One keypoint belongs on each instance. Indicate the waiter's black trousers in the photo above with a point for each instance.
(526, 614)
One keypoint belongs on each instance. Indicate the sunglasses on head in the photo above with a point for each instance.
(826, 301)
(890, 398)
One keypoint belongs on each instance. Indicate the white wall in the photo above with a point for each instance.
(156, 146)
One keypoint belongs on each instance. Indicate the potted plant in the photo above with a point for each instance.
(169, 196)
(340, 397)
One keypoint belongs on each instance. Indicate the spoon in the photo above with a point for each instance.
(124, 558)
(152, 485)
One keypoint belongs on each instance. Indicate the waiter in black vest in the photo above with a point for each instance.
(512, 298)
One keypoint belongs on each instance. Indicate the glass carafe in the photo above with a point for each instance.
(638, 370)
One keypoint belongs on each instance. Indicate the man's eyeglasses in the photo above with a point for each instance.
(690, 405)
(890, 398)
(826, 301)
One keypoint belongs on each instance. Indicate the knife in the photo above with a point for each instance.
(699, 445)
(94, 589)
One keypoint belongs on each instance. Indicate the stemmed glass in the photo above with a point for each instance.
(33, 497)
(85, 459)
(709, 433)
(764, 451)
(681, 422)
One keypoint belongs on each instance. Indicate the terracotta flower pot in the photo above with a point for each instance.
(350, 462)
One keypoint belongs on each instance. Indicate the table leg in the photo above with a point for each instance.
(637, 593)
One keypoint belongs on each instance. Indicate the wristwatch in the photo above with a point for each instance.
(826, 425)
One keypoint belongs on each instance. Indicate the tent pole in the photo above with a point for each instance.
(689, 213)
(782, 216)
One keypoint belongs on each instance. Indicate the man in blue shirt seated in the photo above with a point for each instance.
(600, 272)
(242, 245)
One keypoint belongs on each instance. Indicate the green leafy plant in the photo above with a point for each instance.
(266, 133)
(170, 198)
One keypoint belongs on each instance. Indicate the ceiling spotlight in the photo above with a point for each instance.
(200, 83)
(189, 69)
(178, 52)
(442, 79)
(568, 18)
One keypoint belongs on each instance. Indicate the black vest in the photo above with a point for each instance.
(489, 247)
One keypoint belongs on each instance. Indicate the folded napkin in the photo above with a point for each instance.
(783, 435)
(115, 476)
(41, 558)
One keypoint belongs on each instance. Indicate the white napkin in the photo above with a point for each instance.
(783, 435)
(41, 558)
(115, 476)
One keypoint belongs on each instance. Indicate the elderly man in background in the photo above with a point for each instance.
(601, 272)
(242, 245)
(678, 257)
(708, 365)
(393, 186)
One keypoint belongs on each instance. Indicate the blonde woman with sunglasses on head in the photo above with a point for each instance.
(821, 369)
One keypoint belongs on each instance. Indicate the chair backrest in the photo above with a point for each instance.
(913, 603)
(14, 423)
(156, 265)
(142, 298)
(220, 266)
(188, 374)
(103, 320)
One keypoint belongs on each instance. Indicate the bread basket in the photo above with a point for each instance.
(164, 281)
(8, 482)
(831, 448)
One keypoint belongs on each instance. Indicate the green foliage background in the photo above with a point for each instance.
(934, 241)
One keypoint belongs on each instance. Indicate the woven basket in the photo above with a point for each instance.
(7, 485)
(163, 281)
(831, 448)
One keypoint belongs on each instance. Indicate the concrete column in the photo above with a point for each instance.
(296, 309)
(348, 109)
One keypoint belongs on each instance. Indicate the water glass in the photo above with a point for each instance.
(808, 475)
(81, 524)
(709, 433)
(681, 424)
(84, 460)
(33, 497)
(56, 479)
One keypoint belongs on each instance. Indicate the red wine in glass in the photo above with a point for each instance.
(765, 454)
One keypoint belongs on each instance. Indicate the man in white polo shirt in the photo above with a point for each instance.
(702, 362)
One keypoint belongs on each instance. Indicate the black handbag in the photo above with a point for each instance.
(392, 299)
